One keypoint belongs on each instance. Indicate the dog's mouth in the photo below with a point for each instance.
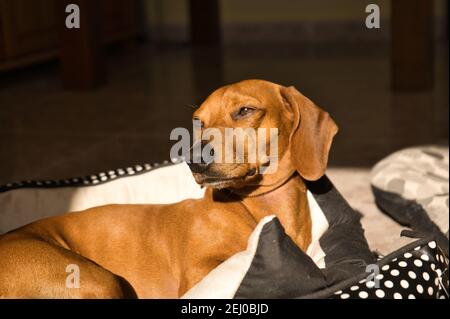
(221, 182)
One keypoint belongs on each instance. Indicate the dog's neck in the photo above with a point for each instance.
(288, 202)
(271, 182)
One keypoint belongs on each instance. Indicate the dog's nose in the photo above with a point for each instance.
(198, 167)
(199, 163)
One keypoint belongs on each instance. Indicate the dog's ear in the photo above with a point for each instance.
(312, 133)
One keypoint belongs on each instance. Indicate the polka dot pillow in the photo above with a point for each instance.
(417, 271)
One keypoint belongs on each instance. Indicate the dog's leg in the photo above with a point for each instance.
(34, 268)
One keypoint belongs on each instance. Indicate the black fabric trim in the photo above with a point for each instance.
(282, 270)
(409, 213)
(279, 269)
(346, 249)
(91, 180)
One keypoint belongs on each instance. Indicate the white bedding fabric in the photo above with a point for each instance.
(160, 186)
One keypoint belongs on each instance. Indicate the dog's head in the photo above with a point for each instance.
(303, 135)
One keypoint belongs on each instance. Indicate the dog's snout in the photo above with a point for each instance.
(199, 161)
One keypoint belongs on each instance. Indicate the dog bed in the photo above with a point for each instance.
(337, 264)
(411, 186)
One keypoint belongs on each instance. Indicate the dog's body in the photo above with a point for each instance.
(161, 251)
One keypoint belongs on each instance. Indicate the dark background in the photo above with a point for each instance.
(76, 102)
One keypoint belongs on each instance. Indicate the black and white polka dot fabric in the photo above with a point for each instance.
(91, 180)
(418, 271)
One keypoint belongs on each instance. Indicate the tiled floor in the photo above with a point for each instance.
(46, 132)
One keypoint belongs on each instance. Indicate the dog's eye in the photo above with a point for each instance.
(243, 111)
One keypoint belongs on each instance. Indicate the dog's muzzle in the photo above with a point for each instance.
(197, 163)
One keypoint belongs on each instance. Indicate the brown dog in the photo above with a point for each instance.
(161, 251)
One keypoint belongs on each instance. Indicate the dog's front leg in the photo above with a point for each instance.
(213, 237)
(195, 273)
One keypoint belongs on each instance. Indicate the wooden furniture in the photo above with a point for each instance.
(29, 29)
(204, 22)
(81, 49)
(206, 37)
(412, 45)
